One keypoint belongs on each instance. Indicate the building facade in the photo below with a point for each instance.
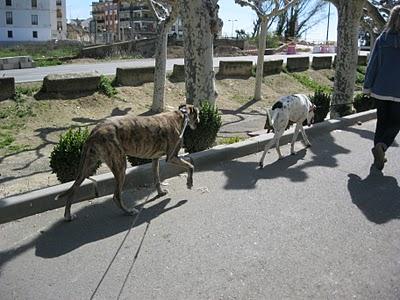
(32, 20)
(105, 21)
(115, 20)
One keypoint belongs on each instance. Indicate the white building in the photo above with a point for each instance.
(32, 20)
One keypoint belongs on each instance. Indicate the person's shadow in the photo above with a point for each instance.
(377, 196)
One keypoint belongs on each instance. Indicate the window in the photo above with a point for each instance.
(58, 2)
(34, 34)
(34, 19)
(9, 18)
(10, 34)
(34, 3)
(59, 25)
(8, 3)
(59, 13)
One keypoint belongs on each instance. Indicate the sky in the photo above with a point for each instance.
(242, 17)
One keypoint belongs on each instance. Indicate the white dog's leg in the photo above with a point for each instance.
(267, 147)
(306, 141)
(295, 134)
(278, 136)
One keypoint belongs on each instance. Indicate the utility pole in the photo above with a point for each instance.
(327, 27)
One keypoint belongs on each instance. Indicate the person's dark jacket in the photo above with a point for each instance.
(382, 79)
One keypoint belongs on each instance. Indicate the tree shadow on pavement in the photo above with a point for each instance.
(44, 134)
(94, 222)
(377, 196)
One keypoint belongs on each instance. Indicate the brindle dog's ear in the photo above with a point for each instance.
(197, 110)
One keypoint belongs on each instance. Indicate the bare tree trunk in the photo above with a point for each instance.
(160, 68)
(163, 26)
(349, 14)
(197, 15)
(262, 38)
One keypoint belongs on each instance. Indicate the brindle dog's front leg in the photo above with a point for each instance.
(186, 165)
(156, 173)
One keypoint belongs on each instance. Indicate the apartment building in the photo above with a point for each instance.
(105, 21)
(32, 20)
(115, 20)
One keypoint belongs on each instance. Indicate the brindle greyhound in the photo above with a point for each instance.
(144, 137)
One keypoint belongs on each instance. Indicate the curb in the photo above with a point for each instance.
(23, 205)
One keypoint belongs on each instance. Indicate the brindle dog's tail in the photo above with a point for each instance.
(87, 166)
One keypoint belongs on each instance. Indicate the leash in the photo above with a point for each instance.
(120, 246)
(185, 123)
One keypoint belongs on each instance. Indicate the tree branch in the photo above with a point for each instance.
(254, 7)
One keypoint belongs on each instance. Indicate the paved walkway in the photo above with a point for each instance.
(318, 225)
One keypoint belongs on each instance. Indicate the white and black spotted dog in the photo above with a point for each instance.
(292, 109)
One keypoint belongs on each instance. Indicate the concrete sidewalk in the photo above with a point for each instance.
(318, 225)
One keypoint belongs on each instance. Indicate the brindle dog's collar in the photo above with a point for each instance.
(185, 121)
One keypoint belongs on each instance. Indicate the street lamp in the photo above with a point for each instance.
(233, 21)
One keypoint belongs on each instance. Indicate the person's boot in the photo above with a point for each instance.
(379, 155)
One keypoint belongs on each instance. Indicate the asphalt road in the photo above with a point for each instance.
(109, 68)
(318, 225)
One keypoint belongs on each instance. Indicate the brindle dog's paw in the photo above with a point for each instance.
(70, 218)
(132, 211)
(162, 193)
(189, 184)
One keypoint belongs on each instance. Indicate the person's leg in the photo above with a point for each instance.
(382, 120)
(382, 125)
(393, 123)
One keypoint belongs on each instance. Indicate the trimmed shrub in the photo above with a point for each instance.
(66, 154)
(136, 161)
(363, 102)
(322, 102)
(106, 86)
(204, 136)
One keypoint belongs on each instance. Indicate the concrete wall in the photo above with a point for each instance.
(71, 83)
(178, 73)
(273, 67)
(242, 44)
(362, 60)
(145, 48)
(297, 64)
(16, 62)
(134, 76)
(235, 69)
(321, 62)
(7, 88)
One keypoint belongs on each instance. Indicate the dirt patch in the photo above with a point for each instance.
(25, 166)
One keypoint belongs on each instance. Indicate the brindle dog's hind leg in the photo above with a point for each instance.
(156, 174)
(86, 168)
(117, 163)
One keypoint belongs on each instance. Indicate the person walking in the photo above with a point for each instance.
(382, 82)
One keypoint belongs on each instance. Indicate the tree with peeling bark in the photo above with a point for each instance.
(165, 13)
(349, 15)
(376, 13)
(200, 23)
(265, 10)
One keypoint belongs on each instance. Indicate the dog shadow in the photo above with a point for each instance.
(245, 175)
(94, 222)
(377, 196)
